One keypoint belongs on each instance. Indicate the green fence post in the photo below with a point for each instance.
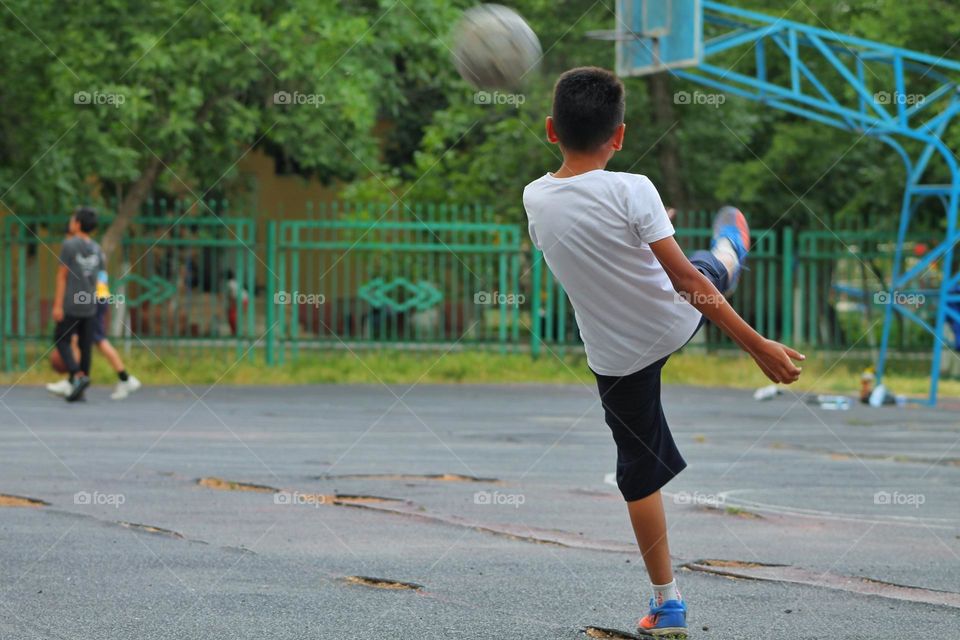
(503, 294)
(251, 330)
(21, 297)
(535, 303)
(515, 286)
(240, 276)
(295, 291)
(5, 247)
(271, 289)
(787, 335)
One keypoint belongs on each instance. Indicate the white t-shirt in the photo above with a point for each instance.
(595, 230)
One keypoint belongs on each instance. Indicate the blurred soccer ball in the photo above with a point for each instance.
(494, 48)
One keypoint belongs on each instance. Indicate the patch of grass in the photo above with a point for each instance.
(742, 513)
(822, 372)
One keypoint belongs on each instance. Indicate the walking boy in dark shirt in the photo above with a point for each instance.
(74, 303)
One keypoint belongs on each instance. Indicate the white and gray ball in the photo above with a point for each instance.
(494, 48)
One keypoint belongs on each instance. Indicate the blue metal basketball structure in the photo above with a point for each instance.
(672, 35)
(916, 104)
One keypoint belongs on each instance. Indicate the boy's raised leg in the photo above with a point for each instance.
(731, 244)
(725, 260)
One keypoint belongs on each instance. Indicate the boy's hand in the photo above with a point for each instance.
(776, 361)
(58, 314)
(773, 358)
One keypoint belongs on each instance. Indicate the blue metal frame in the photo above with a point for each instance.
(811, 50)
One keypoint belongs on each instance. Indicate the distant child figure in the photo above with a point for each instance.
(127, 383)
(234, 290)
(74, 302)
(609, 241)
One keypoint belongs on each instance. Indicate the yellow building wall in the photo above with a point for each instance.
(273, 196)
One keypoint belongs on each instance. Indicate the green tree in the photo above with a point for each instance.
(141, 96)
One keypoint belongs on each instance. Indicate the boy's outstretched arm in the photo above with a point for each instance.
(61, 289)
(773, 358)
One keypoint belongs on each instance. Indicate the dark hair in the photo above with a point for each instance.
(86, 217)
(588, 106)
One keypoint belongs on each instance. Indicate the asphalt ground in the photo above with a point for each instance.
(247, 512)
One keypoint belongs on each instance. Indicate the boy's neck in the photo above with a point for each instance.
(576, 164)
(81, 235)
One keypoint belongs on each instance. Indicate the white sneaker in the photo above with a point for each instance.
(60, 388)
(125, 388)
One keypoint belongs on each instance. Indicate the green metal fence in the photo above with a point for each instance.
(839, 275)
(446, 277)
(420, 276)
(176, 281)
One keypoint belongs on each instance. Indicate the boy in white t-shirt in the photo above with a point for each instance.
(607, 238)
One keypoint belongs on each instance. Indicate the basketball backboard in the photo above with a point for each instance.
(656, 35)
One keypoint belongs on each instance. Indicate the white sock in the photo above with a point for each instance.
(664, 592)
(725, 252)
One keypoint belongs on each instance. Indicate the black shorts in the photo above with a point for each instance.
(647, 456)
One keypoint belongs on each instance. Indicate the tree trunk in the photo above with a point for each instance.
(129, 206)
(668, 149)
(139, 191)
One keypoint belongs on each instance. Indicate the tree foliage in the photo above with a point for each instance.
(781, 168)
(139, 96)
(123, 98)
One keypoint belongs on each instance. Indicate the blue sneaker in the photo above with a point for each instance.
(731, 224)
(669, 620)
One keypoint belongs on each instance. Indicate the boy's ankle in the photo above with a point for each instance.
(665, 592)
(724, 252)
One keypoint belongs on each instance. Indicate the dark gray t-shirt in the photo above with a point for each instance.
(83, 260)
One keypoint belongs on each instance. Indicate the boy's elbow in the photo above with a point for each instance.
(686, 284)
